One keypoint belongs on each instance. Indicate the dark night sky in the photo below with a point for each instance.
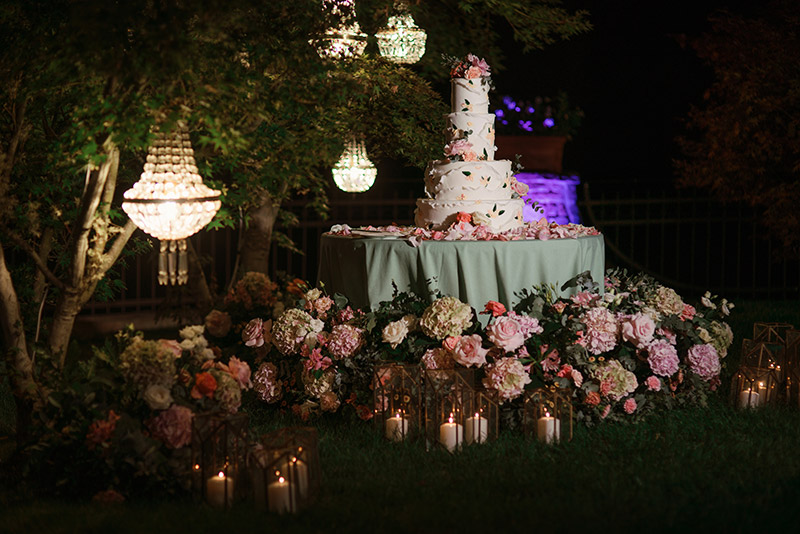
(631, 78)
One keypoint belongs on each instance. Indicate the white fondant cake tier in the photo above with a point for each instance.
(469, 95)
(476, 128)
(469, 180)
(498, 215)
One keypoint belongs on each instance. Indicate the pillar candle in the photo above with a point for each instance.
(396, 428)
(216, 487)
(476, 429)
(762, 394)
(748, 399)
(451, 434)
(279, 496)
(548, 428)
(297, 474)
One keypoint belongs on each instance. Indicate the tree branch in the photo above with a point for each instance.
(117, 246)
(40, 263)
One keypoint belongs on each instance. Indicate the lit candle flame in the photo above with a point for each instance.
(294, 460)
(476, 415)
(451, 417)
(546, 414)
(221, 474)
(281, 480)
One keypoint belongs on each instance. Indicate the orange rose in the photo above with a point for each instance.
(297, 287)
(463, 216)
(204, 385)
(495, 308)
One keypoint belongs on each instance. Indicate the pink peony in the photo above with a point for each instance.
(173, 426)
(253, 333)
(469, 352)
(505, 333)
(629, 406)
(218, 323)
(450, 343)
(584, 298)
(240, 372)
(601, 330)
(688, 312)
(266, 383)
(662, 357)
(653, 383)
(508, 377)
(638, 329)
(345, 340)
(704, 361)
(438, 359)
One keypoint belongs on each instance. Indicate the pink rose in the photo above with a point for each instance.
(449, 343)
(240, 371)
(629, 406)
(592, 398)
(173, 346)
(253, 333)
(473, 72)
(505, 333)
(559, 306)
(688, 312)
(638, 329)
(519, 188)
(469, 351)
(653, 383)
(577, 377)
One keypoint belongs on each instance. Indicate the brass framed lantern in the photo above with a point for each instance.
(547, 414)
(457, 411)
(219, 452)
(170, 201)
(401, 40)
(397, 396)
(285, 470)
(792, 357)
(354, 172)
(346, 40)
(759, 379)
(771, 333)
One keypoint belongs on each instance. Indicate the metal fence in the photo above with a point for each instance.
(685, 239)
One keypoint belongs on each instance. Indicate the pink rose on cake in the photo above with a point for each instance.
(470, 67)
(519, 188)
(460, 150)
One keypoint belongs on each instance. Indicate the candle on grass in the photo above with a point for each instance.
(297, 471)
(748, 399)
(279, 497)
(219, 490)
(476, 429)
(451, 434)
(548, 428)
(396, 427)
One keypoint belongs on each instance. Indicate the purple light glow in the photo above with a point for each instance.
(556, 194)
(510, 104)
(549, 123)
(505, 122)
(526, 125)
(517, 108)
(531, 110)
(499, 112)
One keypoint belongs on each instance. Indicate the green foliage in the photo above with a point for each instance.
(742, 142)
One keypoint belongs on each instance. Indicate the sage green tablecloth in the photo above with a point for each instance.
(363, 268)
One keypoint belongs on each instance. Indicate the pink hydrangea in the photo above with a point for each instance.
(438, 359)
(345, 340)
(704, 361)
(668, 334)
(629, 406)
(469, 352)
(637, 329)
(662, 357)
(601, 330)
(653, 383)
(506, 333)
(291, 328)
(528, 325)
(266, 383)
(508, 377)
(173, 426)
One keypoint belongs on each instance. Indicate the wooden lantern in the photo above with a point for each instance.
(771, 333)
(759, 381)
(397, 397)
(547, 414)
(285, 471)
(219, 449)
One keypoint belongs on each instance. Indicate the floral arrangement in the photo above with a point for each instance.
(542, 116)
(470, 67)
(470, 227)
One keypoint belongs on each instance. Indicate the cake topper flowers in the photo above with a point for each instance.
(469, 67)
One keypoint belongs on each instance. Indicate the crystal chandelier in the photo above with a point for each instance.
(401, 41)
(170, 201)
(345, 41)
(354, 172)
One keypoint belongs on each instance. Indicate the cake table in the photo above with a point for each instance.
(363, 268)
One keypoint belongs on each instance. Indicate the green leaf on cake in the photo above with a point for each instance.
(501, 212)
(466, 173)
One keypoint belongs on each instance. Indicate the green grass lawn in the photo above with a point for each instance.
(708, 468)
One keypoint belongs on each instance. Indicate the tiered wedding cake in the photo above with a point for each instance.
(469, 180)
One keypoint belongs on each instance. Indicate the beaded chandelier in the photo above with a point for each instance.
(401, 41)
(354, 172)
(170, 201)
(346, 40)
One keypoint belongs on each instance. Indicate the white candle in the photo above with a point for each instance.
(762, 394)
(396, 428)
(548, 428)
(748, 399)
(298, 474)
(219, 490)
(451, 434)
(279, 496)
(476, 429)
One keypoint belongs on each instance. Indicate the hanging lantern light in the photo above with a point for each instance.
(354, 172)
(401, 41)
(346, 40)
(170, 201)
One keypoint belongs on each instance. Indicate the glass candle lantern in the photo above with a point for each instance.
(759, 381)
(285, 471)
(449, 402)
(547, 414)
(771, 333)
(792, 355)
(396, 391)
(219, 449)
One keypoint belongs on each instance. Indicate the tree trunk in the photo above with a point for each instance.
(198, 283)
(257, 237)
